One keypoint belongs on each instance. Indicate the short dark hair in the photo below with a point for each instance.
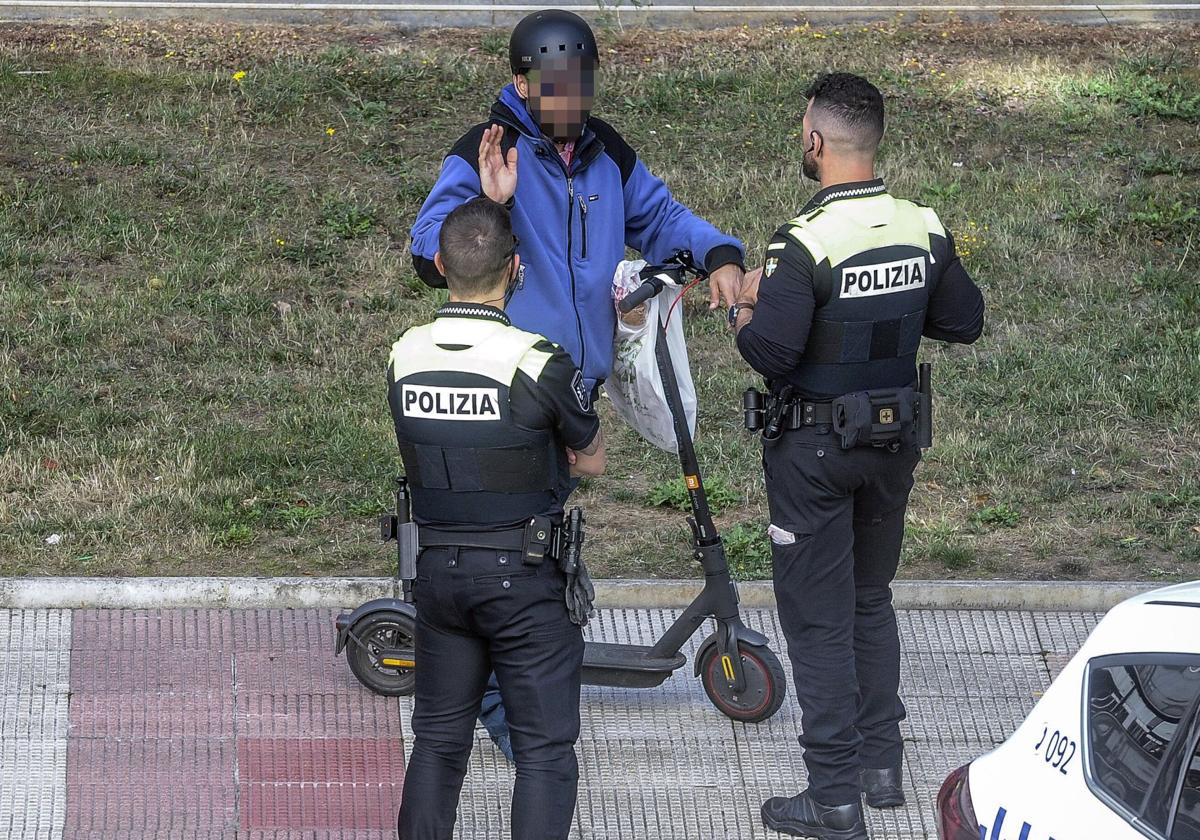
(476, 243)
(852, 101)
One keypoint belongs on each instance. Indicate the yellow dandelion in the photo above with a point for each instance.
(330, 131)
(280, 242)
(239, 75)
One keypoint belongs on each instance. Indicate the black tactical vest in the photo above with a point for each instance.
(468, 462)
(875, 272)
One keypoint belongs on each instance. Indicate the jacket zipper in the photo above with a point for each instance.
(571, 269)
(583, 224)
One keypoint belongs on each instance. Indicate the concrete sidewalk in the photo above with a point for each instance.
(232, 724)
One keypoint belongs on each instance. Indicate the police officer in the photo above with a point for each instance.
(578, 195)
(491, 422)
(833, 321)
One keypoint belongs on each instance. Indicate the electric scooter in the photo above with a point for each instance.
(741, 675)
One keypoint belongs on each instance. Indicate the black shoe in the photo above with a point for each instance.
(883, 788)
(802, 816)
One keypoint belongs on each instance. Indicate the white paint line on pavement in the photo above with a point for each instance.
(282, 593)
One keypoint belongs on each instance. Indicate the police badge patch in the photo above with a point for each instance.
(770, 267)
(581, 392)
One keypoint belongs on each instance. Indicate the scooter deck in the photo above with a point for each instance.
(627, 666)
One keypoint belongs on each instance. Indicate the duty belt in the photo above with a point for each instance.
(540, 538)
(803, 413)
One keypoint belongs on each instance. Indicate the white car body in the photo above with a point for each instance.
(1030, 788)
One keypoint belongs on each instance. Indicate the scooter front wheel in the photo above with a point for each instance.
(766, 683)
(370, 636)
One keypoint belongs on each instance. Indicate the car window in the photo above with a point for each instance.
(1135, 706)
(1187, 818)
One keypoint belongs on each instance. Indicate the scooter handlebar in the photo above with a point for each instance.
(657, 277)
(640, 295)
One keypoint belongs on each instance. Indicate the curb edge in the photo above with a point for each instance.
(303, 592)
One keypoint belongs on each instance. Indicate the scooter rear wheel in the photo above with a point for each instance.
(375, 633)
(766, 683)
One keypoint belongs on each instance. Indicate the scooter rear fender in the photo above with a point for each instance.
(345, 621)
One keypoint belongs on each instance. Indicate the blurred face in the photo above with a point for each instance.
(559, 95)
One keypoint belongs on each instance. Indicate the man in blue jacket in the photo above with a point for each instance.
(578, 195)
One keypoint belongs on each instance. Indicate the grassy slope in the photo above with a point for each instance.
(199, 275)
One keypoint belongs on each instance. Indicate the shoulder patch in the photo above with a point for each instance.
(769, 268)
(582, 394)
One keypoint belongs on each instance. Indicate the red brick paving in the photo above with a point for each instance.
(326, 760)
(207, 724)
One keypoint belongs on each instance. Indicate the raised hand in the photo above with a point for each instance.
(497, 173)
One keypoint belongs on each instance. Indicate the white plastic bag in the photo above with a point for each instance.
(635, 387)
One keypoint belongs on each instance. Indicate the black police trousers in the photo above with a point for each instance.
(479, 610)
(840, 520)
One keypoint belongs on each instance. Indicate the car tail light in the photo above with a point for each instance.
(956, 815)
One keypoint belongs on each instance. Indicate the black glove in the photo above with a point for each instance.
(580, 596)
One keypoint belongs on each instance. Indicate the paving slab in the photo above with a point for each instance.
(35, 659)
(241, 724)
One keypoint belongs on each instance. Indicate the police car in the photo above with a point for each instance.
(1111, 751)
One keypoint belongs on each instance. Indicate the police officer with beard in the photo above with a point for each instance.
(492, 422)
(833, 322)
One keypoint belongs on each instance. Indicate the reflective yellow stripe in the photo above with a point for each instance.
(496, 351)
(855, 225)
(809, 242)
(399, 663)
(534, 362)
(932, 222)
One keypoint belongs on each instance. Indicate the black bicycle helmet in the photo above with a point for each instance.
(548, 34)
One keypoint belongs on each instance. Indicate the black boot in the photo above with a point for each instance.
(883, 788)
(802, 816)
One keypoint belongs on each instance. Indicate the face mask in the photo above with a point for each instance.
(510, 289)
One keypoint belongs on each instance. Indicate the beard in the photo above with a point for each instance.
(808, 165)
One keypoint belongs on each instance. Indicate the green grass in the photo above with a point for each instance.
(203, 258)
(674, 493)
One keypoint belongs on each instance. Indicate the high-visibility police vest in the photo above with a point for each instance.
(875, 270)
(468, 463)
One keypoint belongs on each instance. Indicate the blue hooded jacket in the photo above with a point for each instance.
(573, 227)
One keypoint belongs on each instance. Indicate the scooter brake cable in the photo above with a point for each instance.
(678, 298)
